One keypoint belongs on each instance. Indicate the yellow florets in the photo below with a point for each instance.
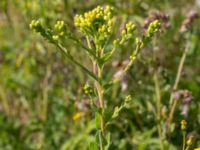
(35, 25)
(153, 28)
(98, 21)
(87, 89)
(116, 42)
(60, 25)
(128, 32)
(129, 29)
(55, 37)
(60, 30)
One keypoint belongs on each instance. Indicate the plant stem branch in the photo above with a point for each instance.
(158, 105)
(118, 78)
(97, 71)
(89, 50)
(184, 141)
(188, 147)
(64, 51)
(173, 103)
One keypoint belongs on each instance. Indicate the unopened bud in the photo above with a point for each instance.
(183, 125)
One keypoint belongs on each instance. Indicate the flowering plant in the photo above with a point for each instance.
(97, 27)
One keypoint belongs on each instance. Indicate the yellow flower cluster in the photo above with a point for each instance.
(35, 25)
(129, 29)
(98, 21)
(88, 89)
(60, 25)
(153, 28)
(61, 28)
(127, 32)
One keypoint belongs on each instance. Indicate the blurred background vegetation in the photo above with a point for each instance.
(41, 92)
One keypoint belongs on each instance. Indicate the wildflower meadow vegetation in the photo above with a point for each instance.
(99, 75)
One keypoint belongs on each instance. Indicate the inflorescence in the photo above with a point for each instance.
(97, 23)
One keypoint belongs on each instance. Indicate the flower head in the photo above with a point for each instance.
(128, 32)
(96, 22)
(60, 25)
(35, 25)
(153, 28)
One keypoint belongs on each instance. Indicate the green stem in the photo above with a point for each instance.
(184, 141)
(97, 70)
(100, 92)
(135, 54)
(158, 106)
(101, 143)
(89, 50)
(65, 52)
(173, 103)
(188, 147)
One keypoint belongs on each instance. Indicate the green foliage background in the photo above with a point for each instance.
(40, 91)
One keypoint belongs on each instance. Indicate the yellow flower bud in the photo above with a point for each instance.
(55, 37)
(190, 139)
(116, 42)
(123, 32)
(183, 125)
(61, 34)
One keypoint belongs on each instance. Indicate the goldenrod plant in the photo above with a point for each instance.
(92, 75)
(97, 26)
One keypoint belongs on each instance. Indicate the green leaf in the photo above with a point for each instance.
(67, 54)
(106, 57)
(116, 112)
(98, 120)
(93, 146)
(125, 104)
